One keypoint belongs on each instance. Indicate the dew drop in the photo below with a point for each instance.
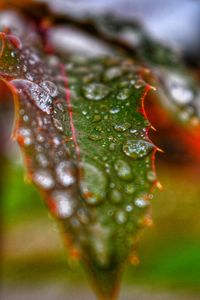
(64, 203)
(94, 184)
(42, 160)
(151, 176)
(184, 116)
(33, 59)
(27, 135)
(141, 202)
(129, 208)
(100, 240)
(95, 137)
(120, 216)
(123, 169)
(130, 188)
(96, 118)
(38, 95)
(137, 148)
(115, 196)
(84, 112)
(50, 88)
(40, 138)
(13, 54)
(114, 110)
(29, 76)
(21, 112)
(124, 94)
(112, 147)
(122, 127)
(65, 173)
(139, 83)
(25, 118)
(57, 123)
(96, 91)
(56, 141)
(44, 179)
(60, 107)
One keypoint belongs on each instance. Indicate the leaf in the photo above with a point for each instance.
(82, 128)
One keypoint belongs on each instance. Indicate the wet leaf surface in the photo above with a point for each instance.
(81, 126)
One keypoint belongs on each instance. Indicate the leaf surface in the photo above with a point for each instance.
(81, 126)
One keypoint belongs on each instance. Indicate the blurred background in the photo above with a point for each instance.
(33, 260)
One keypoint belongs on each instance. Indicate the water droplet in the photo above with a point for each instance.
(50, 88)
(40, 138)
(95, 137)
(13, 54)
(64, 203)
(123, 169)
(100, 237)
(124, 94)
(42, 160)
(137, 148)
(184, 116)
(112, 147)
(141, 202)
(151, 176)
(130, 188)
(84, 112)
(139, 83)
(65, 173)
(134, 131)
(39, 148)
(27, 136)
(96, 91)
(33, 59)
(122, 127)
(129, 208)
(94, 184)
(44, 179)
(120, 216)
(56, 141)
(96, 118)
(38, 95)
(29, 76)
(24, 67)
(115, 196)
(21, 112)
(57, 123)
(114, 110)
(60, 106)
(25, 118)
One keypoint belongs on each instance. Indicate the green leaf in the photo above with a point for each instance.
(81, 126)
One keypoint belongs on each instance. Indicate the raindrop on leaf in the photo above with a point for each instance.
(96, 91)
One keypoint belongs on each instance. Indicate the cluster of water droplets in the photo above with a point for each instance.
(32, 70)
(109, 99)
(106, 185)
(51, 169)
